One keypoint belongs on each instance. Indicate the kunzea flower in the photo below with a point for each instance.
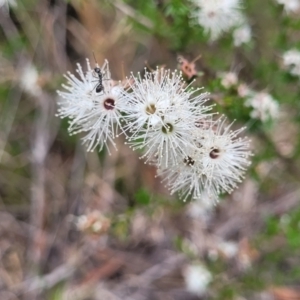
(291, 60)
(216, 166)
(186, 176)
(244, 90)
(290, 6)
(224, 157)
(242, 35)
(156, 94)
(197, 279)
(217, 16)
(162, 113)
(97, 114)
(264, 107)
(29, 80)
(228, 79)
(168, 142)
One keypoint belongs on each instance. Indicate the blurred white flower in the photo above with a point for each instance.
(242, 35)
(243, 90)
(81, 222)
(92, 222)
(197, 279)
(200, 208)
(291, 60)
(7, 3)
(228, 79)
(29, 80)
(264, 106)
(228, 249)
(96, 114)
(290, 6)
(217, 16)
(212, 254)
(285, 220)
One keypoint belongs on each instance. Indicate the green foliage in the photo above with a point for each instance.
(120, 227)
(286, 226)
(142, 197)
(56, 293)
(272, 226)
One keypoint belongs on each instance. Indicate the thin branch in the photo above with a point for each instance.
(129, 11)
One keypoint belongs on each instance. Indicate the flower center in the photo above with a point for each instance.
(188, 161)
(151, 109)
(211, 14)
(167, 128)
(109, 104)
(214, 153)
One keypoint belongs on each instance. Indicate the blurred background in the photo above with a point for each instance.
(83, 226)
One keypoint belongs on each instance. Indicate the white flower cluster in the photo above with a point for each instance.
(290, 6)
(197, 279)
(218, 16)
(291, 61)
(163, 118)
(264, 106)
(242, 35)
(228, 79)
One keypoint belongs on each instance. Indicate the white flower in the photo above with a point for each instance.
(187, 179)
(197, 278)
(291, 60)
(217, 16)
(29, 80)
(166, 142)
(96, 114)
(229, 249)
(161, 115)
(228, 79)
(151, 98)
(217, 164)
(241, 35)
(290, 6)
(243, 90)
(224, 157)
(264, 106)
(93, 222)
(7, 3)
